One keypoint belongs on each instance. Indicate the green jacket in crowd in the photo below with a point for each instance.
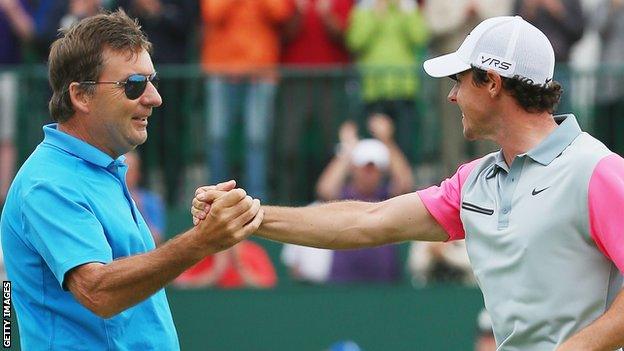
(386, 44)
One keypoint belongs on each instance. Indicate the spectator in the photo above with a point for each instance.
(385, 37)
(609, 21)
(450, 21)
(55, 15)
(147, 202)
(314, 34)
(240, 50)
(170, 25)
(562, 21)
(16, 27)
(357, 172)
(434, 262)
(313, 38)
(244, 265)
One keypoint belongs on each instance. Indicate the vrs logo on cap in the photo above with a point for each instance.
(508, 45)
(496, 63)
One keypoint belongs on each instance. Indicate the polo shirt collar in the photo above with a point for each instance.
(499, 164)
(557, 141)
(548, 149)
(85, 151)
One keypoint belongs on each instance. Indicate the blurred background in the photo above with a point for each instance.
(303, 101)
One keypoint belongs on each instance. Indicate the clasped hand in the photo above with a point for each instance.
(227, 215)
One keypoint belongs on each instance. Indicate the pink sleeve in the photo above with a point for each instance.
(606, 208)
(443, 202)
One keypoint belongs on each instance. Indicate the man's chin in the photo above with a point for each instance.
(469, 135)
(142, 137)
(139, 139)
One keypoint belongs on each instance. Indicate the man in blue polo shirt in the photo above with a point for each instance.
(542, 217)
(85, 271)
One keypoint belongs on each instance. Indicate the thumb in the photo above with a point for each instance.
(226, 186)
(209, 196)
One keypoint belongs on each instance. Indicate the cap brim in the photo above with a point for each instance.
(445, 65)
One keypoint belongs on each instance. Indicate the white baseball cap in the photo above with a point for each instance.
(371, 151)
(508, 45)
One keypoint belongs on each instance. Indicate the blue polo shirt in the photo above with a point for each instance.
(69, 205)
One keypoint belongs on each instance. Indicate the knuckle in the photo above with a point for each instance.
(248, 202)
(241, 192)
(230, 228)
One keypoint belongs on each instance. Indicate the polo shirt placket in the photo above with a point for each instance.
(119, 169)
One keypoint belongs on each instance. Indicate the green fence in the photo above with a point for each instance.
(319, 100)
(311, 318)
(175, 153)
(304, 318)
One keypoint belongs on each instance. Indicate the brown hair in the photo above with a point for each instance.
(531, 97)
(77, 55)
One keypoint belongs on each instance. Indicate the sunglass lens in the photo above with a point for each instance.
(135, 86)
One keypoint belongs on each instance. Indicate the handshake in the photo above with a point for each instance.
(224, 216)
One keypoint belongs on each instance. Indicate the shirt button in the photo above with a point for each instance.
(505, 210)
(513, 180)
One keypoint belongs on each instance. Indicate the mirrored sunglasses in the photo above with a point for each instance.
(134, 85)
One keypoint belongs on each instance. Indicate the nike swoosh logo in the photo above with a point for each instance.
(535, 191)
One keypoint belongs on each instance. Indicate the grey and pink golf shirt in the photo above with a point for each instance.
(545, 236)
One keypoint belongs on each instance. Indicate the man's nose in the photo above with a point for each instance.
(151, 97)
(452, 95)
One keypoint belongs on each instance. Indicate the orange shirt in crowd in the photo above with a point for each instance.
(242, 35)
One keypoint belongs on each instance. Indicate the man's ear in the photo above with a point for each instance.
(79, 97)
(495, 83)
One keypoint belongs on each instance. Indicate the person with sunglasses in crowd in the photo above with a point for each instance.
(84, 268)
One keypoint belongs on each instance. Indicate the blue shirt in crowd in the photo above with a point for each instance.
(69, 205)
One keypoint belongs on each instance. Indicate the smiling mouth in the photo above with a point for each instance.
(140, 122)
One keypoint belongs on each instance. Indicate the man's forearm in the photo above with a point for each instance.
(335, 225)
(604, 334)
(108, 289)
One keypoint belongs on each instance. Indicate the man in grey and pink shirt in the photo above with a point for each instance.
(543, 218)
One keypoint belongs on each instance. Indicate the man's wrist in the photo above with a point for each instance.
(199, 246)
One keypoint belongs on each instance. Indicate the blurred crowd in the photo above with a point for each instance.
(242, 46)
